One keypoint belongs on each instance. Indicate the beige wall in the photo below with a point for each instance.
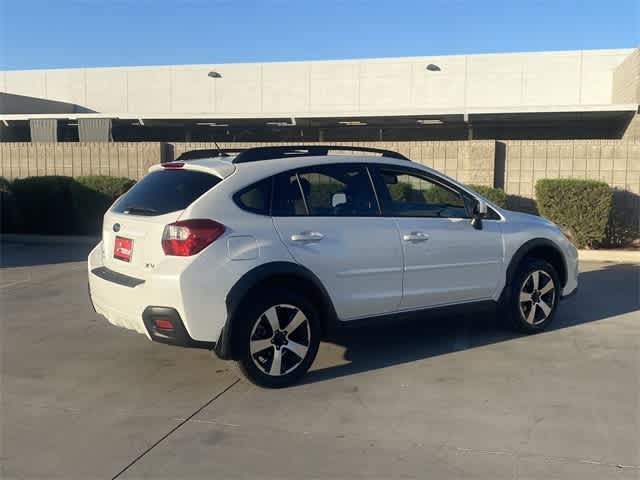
(131, 160)
(626, 80)
(632, 130)
(516, 164)
(479, 83)
(616, 162)
(469, 162)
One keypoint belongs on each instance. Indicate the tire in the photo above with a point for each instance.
(531, 307)
(269, 355)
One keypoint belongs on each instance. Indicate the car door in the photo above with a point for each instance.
(446, 260)
(329, 219)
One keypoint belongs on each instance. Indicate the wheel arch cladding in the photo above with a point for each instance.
(543, 249)
(271, 275)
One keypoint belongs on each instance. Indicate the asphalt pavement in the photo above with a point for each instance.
(452, 397)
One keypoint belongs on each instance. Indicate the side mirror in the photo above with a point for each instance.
(338, 199)
(479, 212)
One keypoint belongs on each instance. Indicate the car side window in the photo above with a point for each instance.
(410, 195)
(338, 190)
(287, 196)
(255, 198)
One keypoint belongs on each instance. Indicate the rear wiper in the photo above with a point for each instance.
(139, 209)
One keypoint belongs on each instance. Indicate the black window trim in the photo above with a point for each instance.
(373, 171)
(419, 173)
(305, 169)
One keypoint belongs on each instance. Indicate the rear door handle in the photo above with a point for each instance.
(307, 237)
(415, 237)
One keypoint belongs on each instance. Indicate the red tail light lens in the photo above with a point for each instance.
(188, 237)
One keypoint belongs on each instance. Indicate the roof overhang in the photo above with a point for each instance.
(372, 118)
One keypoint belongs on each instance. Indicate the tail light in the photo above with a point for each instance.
(188, 237)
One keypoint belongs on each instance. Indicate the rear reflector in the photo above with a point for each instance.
(163, 324)
(188, 237)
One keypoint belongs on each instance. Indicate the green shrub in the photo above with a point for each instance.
(405, 192)
(59, 205)
(495, 195)
(583, 206)
(44, 204)
(112, 187)
(5, 185)
(92, 196)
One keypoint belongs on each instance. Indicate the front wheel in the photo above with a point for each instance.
(279, 338)
(533, 297)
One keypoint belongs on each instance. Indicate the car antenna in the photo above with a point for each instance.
(220, 151)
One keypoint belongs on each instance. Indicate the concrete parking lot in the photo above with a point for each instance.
(444, 398)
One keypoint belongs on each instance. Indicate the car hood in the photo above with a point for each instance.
(528, 218)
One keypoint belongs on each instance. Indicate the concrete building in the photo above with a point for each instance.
(590, 94)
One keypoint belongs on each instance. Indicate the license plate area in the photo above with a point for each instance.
(123, 249)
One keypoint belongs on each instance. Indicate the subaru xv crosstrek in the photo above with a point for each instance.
(259, 255)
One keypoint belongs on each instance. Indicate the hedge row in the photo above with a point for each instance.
(56, 205)
(75, 206)
(582, 206)
(495, 195)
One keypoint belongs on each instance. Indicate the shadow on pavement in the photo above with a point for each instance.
(14, 254)
(605, 293)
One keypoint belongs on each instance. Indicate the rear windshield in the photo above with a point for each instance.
(165, 191)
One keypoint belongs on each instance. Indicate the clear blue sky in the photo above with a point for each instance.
(75, 33)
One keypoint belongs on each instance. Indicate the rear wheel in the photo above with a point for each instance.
(278, 339)
(534, 295)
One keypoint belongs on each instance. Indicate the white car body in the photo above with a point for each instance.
(369, 266)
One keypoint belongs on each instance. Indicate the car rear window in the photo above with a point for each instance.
(165, 191)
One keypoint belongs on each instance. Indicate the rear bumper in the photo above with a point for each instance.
(130, 302)
(177, 335)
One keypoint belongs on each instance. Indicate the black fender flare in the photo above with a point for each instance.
(524, 250)
(253, 278)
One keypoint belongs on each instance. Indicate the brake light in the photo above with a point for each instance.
(173, 165)
(188, 237)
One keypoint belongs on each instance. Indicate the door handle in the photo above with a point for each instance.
(415, 237)
(307, 237)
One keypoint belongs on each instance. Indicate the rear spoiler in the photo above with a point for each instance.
(206, 153)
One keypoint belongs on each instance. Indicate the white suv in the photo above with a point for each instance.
(258, 256)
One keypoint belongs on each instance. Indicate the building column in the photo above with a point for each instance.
(44, 129)
(94, 130)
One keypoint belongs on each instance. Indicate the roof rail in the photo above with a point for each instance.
(206, 153)
(283, 151)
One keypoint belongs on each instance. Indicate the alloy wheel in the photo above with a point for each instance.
(280, 339)
(537, 297)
